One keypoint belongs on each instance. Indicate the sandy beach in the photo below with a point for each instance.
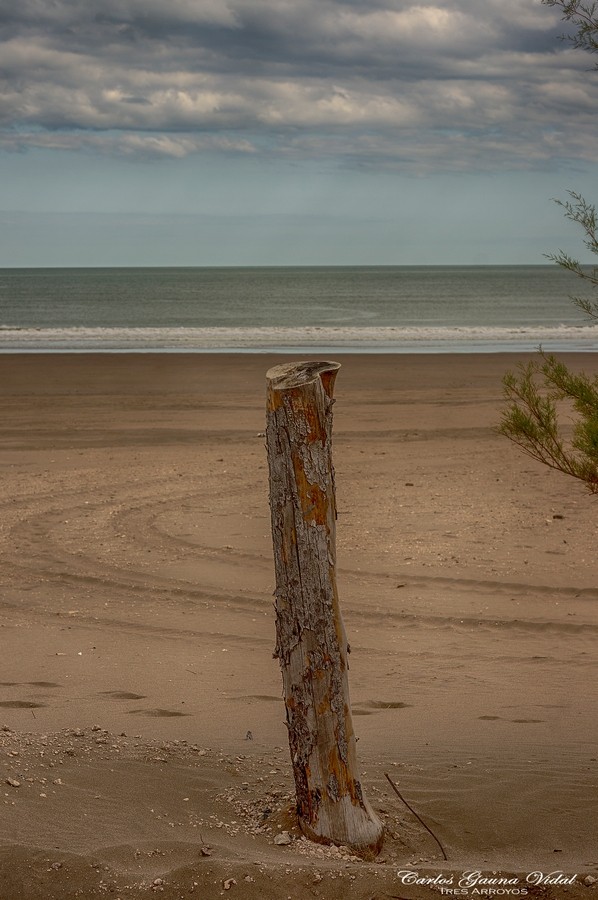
(143, 750)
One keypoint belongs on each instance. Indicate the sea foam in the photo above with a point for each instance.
(305, 338)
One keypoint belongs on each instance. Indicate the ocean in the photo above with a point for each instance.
(370, 309)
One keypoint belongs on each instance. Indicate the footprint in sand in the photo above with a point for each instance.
(122, 695)
(521, 721)
(20, 704)
(358, 709)
(257, 697)
(527, 721)
(156, 713)
(388, 704)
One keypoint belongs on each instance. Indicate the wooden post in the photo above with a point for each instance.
(311, 644)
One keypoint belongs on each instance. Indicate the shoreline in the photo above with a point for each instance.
(317, 352)
(321, 339)
(136, 624)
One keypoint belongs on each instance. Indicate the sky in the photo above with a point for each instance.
(291, 132)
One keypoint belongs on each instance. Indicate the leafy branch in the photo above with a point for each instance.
(531, 419)
(533, 392)
(584, 214)
(585, 18)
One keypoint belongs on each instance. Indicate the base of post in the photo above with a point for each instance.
(368, 850)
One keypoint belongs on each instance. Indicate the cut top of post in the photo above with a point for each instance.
(297, 374)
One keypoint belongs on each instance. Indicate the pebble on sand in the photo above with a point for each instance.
(283, 839)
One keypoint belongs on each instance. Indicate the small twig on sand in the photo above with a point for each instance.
(420, 820)
(204, 849)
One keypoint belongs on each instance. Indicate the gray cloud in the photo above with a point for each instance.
(461, 86)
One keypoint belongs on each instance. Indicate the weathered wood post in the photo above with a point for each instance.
(311, 644)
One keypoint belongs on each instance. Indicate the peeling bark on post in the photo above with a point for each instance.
(311, 644)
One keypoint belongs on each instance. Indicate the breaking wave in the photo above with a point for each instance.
(466, 339)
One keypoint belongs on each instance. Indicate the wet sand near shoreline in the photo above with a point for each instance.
(141, 705)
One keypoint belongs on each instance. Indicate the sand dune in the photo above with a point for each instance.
(137, 577)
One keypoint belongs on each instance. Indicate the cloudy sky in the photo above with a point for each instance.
(276, 132)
